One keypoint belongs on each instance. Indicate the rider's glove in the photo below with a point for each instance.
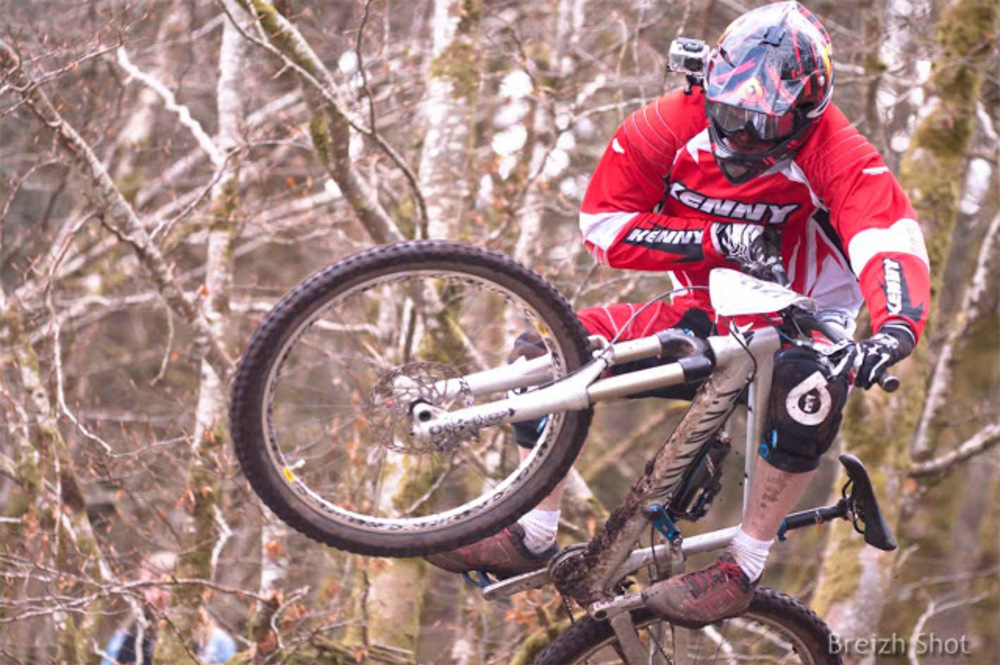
(892, 343)
(753, 247)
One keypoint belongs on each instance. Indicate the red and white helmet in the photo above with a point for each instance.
(767, 82)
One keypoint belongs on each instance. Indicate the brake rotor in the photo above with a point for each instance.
(390, 406)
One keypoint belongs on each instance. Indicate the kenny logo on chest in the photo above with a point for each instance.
(765, 213)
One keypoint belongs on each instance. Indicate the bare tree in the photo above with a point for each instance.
(855, 580)
(154, 206)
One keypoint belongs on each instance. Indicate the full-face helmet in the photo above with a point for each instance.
(767, 82)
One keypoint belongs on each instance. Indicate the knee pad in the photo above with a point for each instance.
(804, 412)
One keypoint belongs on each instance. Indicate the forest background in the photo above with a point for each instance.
(168, 169)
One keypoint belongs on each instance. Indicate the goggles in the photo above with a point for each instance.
(748, 130)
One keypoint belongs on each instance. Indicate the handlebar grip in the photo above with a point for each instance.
(835, 333)
(888, 383)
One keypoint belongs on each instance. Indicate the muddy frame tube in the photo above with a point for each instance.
(592, 574)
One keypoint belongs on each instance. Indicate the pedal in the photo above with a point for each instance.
(863, 505)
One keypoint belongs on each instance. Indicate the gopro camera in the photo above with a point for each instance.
(688, 56)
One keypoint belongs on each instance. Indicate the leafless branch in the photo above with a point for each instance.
(933, 608)
(967, 315)
(167, 348)
(358, 43)
(906, 591)
(221, 168)
(204, 141)
(57, 350)
(119, 217)
(300, 57)
(981, 441)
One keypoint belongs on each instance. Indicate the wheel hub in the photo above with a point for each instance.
(415, 391)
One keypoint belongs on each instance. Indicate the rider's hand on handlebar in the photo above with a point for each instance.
(755, 248)
(876, 354)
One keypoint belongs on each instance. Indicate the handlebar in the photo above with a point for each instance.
(888, 383)
(833, 332)
(768, 265)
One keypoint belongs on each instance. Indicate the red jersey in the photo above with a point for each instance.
(849, 233)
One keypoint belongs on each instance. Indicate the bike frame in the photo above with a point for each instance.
(741, 362)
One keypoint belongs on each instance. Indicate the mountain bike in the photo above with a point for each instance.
(374, 410)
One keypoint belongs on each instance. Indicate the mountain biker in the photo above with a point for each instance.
(758, 148)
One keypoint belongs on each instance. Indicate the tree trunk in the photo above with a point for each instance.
(874, 68)
(138, 130)
(394, 604)
(448, 109)
(201, 534)
(45, 459)
(855, 579)
(395, 588)
(543, 134)
(897, 92)
(330, 127)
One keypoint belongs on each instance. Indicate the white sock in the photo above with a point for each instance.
(750, 553)
(540, 528)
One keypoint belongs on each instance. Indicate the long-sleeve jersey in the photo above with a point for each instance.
(849, 234)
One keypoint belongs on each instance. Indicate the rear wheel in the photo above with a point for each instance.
(323, 397)
(775, 629)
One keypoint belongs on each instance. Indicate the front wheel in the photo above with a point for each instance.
(323, 397)
(774, 629)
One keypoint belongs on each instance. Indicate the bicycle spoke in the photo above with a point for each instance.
(722, 644)
(421, 500)
(326, 395)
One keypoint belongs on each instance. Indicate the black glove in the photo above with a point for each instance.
(754, 247)
(876, 354)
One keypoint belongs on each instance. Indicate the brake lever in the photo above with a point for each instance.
(887, 382)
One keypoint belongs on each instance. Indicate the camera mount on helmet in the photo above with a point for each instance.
(689, 57)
